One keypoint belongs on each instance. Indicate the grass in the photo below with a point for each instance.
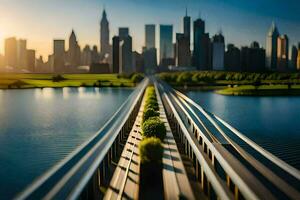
(263, 90)
(71, 80)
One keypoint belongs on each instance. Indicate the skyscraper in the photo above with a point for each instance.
(21, 53)
(104, 34)
(198, 54)
(271, 47)
(294, 55)
(10, 51)
(58, 55)
(282, 53)
(218, 50)
(86, 58)
(232, 58)
(253, 58)
(166, 42)
(187, 26)
(126, 66)
(116, 55)
(74, 51)
(30, 54)
(183, 56)
(149, 52)
(150, 36)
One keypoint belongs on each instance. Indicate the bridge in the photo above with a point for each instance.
(204, 157)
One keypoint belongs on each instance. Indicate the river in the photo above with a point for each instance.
(39, 127)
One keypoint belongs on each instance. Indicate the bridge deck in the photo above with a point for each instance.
(125, 181)
(175, 180)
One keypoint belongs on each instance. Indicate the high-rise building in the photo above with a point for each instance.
(187, 27)
(95, 55)
(30, 54)
(86, 58)
(271, 47)
(74, 51)
(21, 53)
(218, 51)
(10, 52)
(232, 58)
(104, 34)
(125, 55)
(294, 55)
(116, 55)
(166, 43)
(137, 62)
(282, 53)
(150, 60)
(199, 49)
(58, 55)
(183, 56)
(150, 36)
(253, 58)
(123, 32)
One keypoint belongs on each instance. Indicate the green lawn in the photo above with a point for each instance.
(263, 90)
(69, 80)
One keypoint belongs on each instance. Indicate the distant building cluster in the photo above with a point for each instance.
(117, 56)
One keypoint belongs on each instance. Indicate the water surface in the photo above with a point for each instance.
(39, 127)
(272, 122)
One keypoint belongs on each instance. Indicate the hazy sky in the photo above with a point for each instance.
(242, 21)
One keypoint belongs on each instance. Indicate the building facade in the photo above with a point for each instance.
(116, 55)
(166, 43)
(218, 51)
(150, 36)
(183, 56)
(104, 34)
(271, 47)
(58, 56)
(282, 53)
(10, 52)
(232, 58)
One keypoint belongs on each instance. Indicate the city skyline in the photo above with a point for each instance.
(92, 12)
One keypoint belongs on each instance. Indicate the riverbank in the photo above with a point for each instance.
(25, 81)
(264, 90)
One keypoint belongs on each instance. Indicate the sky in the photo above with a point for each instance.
(241, 21)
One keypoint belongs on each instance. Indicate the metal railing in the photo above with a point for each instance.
(85, 169)
(177, 100)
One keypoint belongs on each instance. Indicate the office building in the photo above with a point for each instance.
(30, 58)
(166, 44)
(218, 51)
(58, 56)
(10, 52)
(199, 49)
(253, 58)
(294, 55)
(125, 55)
(187, 27)
(232, 58)
(21, 54)
(271, 47)
(150, 36)
(183, 56)
(282, 53)
(115, 55)
(86, 58)
(123, 32)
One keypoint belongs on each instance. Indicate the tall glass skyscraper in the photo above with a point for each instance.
(198, 54)
(271, 47)
(150, 36)
(166, 42)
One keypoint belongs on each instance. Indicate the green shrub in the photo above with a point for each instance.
(154, 127)
(150, 112)
(137, 77)
(151, 151)
(153, 105)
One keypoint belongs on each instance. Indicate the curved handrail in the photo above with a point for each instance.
(80, 154)
(277, 161)
(215, 181)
